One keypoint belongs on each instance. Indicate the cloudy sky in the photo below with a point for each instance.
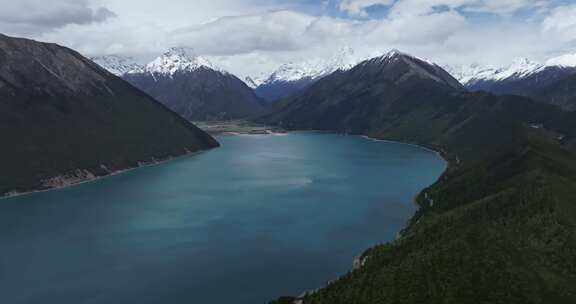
(255, 36)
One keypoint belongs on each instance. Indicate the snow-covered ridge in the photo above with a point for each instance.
(344, 59)
(394, 54)
(436, 72)
(116, 64)
(518, 69)
(568, 60)
(176, 59)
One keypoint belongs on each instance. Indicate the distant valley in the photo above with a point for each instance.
(546, 82)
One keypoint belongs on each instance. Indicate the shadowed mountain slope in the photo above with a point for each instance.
(64, 119)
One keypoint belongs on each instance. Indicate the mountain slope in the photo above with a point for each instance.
(194, 88)
(498, 227)
(561, 93)
(64, 120)
(357, 100)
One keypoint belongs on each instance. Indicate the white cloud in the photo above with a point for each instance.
(269, 31)
(33, 16)
(505, 6)
(143, 41)
(418, 7)
(251, 36)
(358, 7)
(284, 31)
(561, 22)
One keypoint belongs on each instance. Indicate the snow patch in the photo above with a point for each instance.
(344, 59)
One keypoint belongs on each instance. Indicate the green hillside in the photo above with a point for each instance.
(498, 227)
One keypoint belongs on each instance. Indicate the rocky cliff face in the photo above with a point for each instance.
(61, 115)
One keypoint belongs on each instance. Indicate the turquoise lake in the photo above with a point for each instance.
(258, 218)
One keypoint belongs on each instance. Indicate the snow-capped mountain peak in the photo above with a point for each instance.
(343, 59)
(467, 73)
(470, 74)
(519, 68)
(178, 59)
(393, 53)
(116, 64)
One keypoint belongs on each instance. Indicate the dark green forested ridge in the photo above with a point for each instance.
(63, 119)
(498, 227)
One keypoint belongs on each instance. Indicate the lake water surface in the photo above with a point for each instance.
(260, 217)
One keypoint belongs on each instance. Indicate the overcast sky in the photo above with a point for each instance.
(254, 36)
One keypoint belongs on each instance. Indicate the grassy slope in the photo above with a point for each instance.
(502, 225)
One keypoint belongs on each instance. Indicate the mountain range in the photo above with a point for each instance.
(189, 84)
(523, 77)
(65, 120)
(540, 81)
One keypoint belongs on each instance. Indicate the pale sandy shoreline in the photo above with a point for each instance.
(94, 178)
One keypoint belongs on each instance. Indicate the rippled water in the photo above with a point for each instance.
(261, 217)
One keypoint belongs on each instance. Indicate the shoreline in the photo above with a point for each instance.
(359, 261)
(237, 127)
(11, 195)
(89, 177)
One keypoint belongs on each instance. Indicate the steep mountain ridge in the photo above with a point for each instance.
(65, 120)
